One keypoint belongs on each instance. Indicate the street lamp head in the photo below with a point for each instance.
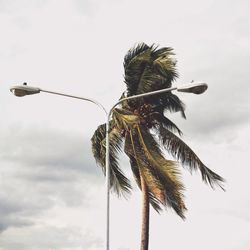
(195, 88)
(22, 90)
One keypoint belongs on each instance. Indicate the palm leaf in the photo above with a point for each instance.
(172, 103)
(133, 53)
(135, 169)
(164, 62)
(160, 175)
(153, 185)
(124, 119)
(128, 149)
(148, 69)
(150, 80)
(135, 63)
(164, 121)
(118, 182)
(165, 171)
(182, 152)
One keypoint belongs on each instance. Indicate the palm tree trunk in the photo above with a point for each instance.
(145, 216)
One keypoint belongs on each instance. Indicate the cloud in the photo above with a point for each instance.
(48, 179)
(18, 205)
(225, 106)
(85, 7)
(43, 148)
(40, 169)
(50, 237)
(216, 51)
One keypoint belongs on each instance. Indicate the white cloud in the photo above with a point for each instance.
(40, 169)
(45, 237)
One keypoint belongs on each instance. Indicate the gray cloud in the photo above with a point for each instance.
(18, 206)
(43, 148)
(40, 168)
(217, 52)
(225, 106)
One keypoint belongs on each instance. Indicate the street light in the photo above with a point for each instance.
(24, 90)
(195, 88)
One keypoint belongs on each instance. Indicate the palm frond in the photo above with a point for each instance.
(149, 69)
(164, 62)
(165, 171)
(118, 182)
(96, 140)
(160, 175)
(172, 103)
(135, 63)
(135, 169)
(124, 119)
(182, 152)
(155, 188)
(165, 122)
(133, 53)
(150, 81)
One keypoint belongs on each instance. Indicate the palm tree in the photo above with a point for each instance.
(141, 129)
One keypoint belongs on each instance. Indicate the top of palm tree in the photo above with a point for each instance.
(149, 68)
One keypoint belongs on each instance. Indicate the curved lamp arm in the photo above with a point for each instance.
(23, 90)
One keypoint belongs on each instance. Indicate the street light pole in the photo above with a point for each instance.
(195, 88)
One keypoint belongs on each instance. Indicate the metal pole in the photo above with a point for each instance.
(107, 161)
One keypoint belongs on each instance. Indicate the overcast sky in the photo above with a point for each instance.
(52, 194)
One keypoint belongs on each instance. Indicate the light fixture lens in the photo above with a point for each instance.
(195, 88)
(18, 92)
(23, 90)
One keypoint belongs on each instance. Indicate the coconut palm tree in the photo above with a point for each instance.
(141, 128)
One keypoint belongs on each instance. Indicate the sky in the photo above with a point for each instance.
(52, 193)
